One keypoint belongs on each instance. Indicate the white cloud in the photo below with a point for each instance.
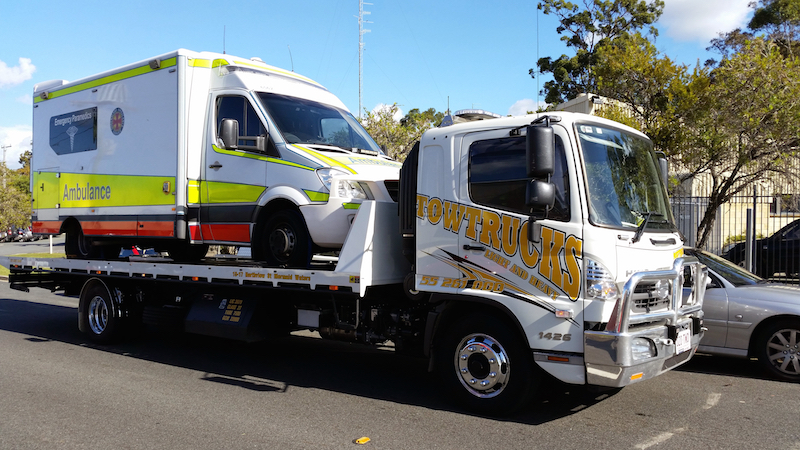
(19, 140)
(383, 106)
(25, 100)
(521, 107)
(692, 20)
(10, 76)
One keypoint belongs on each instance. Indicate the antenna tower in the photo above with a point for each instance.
(361, 31)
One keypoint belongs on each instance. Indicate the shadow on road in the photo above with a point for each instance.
(277, 365)
(726, 366)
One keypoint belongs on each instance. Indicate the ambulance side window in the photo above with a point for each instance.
(497, 176)
(239, 109)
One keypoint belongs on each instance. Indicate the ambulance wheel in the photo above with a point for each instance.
(183, 252)
(78, 246)
(286, 241)
(98, 316)
(485, 366)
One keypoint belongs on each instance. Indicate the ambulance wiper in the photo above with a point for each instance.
(643, 225)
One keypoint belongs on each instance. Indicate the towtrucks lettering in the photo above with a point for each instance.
(555, 258)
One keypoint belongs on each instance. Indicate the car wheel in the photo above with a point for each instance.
(485, 366)
(286, 241)
(778, 349)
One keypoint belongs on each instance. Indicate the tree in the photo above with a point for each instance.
(587, 30)
(398, 137)
(780, 20)
(739, 123)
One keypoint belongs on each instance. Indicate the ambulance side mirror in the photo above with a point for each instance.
(229, 133)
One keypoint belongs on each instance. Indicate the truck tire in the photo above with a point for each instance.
(485, 366)
(778, 349)
(185, 252)
(286, 241)
(97, 314)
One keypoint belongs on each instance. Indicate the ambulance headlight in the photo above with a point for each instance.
(599, 282)
(326, 176)
(353, 189)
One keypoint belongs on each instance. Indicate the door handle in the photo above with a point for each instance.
(216, 165)
(473, 247)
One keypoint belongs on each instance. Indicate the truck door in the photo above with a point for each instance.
(545, 272)
(234, 179)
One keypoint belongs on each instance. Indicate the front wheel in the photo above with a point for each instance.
(485, 366)
(778, 349)
(286, 241)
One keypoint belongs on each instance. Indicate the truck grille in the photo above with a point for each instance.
(645, 298)
(393, 186)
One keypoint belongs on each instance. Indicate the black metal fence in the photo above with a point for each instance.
(760, 233)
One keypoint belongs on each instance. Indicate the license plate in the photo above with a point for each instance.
(683, 342)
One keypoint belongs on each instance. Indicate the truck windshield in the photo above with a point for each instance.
(622, 176)
(302, 121)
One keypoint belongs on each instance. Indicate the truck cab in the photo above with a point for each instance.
(558, 225)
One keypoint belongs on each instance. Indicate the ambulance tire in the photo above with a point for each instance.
(78, 246)
(184, 252)
(286, 241)
(485, 366)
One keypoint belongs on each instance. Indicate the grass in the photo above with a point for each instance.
(4, 270)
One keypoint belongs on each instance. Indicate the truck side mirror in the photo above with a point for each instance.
(229, 133)
(662, 164)
(540, 151)
(540, 195)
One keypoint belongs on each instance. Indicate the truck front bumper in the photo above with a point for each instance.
(611, 361)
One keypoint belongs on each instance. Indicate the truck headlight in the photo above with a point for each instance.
(599, 283)
(353, 189)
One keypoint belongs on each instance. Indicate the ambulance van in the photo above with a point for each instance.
(188, 149)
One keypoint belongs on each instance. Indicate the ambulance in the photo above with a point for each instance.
(189, 149)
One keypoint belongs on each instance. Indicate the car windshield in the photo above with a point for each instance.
(734, 274)
(624, 184)
(302, 121)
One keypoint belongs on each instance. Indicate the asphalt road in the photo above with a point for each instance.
(180, 391)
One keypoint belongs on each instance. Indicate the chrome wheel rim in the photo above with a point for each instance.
(782, 351)
(98, 315)
(482, 365)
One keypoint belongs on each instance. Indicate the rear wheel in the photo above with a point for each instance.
(485, 366)
(778, 349)
(286, 241)
(99, 317)
(78, 246)
(185, 252)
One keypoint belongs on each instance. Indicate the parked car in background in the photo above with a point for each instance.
(3, 234)
(778, 253)
(748, 316)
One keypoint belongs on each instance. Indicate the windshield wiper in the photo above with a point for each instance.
(643, 225)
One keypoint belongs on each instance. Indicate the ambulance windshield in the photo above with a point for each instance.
(623, 180)
(302, 121)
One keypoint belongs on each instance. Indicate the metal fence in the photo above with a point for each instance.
(760, 233)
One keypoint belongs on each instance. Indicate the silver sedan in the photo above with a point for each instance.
(748, 316)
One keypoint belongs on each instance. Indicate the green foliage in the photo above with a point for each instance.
(398, 137)
(588, 29)
(15, 198)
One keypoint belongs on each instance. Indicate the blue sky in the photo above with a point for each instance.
(418, 53)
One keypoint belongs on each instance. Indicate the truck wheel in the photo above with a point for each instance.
(778, 349)
(184, 252)
(98, 315)
(485, 366)
(286, 240)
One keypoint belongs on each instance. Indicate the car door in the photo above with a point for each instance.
(715, 308)
(234, 178)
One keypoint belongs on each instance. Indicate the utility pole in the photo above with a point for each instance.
(5, 147)
(361, 32)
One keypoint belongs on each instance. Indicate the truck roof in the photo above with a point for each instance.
(566, 118)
